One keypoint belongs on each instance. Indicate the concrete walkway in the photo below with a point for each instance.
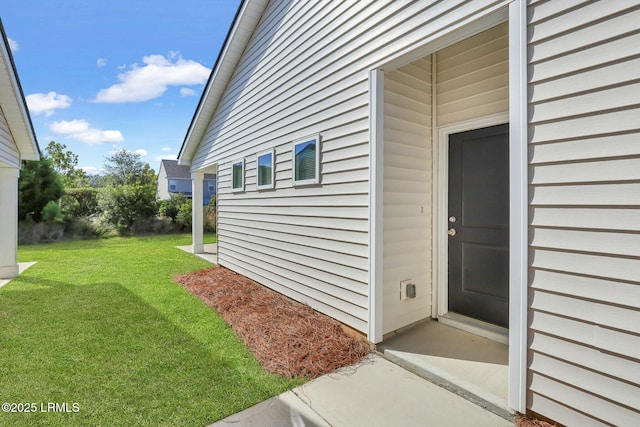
(22, 266)
(375, 393)
(210, 252)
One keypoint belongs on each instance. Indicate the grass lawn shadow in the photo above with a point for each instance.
(122, 352)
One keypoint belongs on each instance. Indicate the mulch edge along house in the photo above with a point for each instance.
(469, 161)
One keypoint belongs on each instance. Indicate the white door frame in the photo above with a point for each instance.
(518, 205)
(518, 163)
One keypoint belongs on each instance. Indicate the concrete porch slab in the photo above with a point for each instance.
(464, 363)
(210, 253)
(22, 266)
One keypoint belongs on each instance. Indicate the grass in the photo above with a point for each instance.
(101, 324)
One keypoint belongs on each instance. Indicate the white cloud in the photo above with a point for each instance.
(101, 62)
(81, 131)
(47, 103)
(166, 157)
(13, 45)
(141, 151)
(166, 149)
(92, 170)
(185, 91)
(139, 84)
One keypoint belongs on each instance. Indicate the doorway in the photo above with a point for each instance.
(478, 221)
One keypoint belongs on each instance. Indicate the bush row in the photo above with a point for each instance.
(81, 215)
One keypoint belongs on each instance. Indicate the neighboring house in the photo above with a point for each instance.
(174, 178)
(17, 143)
(486, 152)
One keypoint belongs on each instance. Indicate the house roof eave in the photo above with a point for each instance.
(14, 105)
(240, 32)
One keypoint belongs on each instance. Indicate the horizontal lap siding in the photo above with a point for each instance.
(407, 193)
(306, 71)
(473, 77)
(8, 150)
(585, 212)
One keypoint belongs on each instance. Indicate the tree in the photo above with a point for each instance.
(125, 167)
(130, 194)
(126, 205)
(38, 185)
(66, 164)
(96, 181)
(79, 202)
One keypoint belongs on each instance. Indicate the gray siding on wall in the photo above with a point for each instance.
(585, 212)
(305, 71)
(8, 150)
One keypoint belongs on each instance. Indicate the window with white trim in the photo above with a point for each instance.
(237, 175)
(265, 171)
(173, 185)
(306, 160)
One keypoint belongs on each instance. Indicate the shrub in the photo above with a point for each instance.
(184, 216)
(210, 218)
(38, 185)
(170, 208)
(84, 228)
(79, 202)
(51, 213)
(30, 232)
(124, 205)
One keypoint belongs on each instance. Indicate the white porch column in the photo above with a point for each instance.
(197, 222)
(9, 222)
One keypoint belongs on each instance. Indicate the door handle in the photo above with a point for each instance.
(451, 232)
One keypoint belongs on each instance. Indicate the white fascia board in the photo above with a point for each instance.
(237, 40)
(14, 105)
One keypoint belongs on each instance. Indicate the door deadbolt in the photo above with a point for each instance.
(451, 232)
(452, 219)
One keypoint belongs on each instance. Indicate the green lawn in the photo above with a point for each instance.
(101, 324)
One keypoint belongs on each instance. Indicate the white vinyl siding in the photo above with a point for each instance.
(162, 192)
(305, 70)
(584, 357)
(473, 77)
(407, 193)
(9, 154)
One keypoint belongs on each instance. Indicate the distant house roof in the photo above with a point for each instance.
(14, 104)
(176, 171)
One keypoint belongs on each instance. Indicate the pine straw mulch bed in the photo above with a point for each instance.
(524, 421)
(287, 338)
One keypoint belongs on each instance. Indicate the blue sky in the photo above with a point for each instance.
(105, 75)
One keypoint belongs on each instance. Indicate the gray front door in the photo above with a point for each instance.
(479, 224)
